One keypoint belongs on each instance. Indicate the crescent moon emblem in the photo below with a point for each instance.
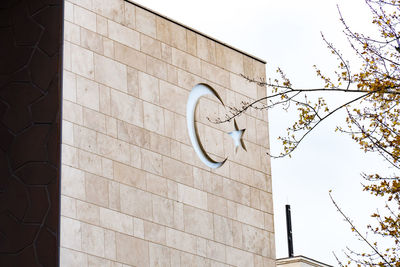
(198, 91)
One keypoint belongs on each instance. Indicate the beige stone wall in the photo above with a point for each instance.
(134, 192)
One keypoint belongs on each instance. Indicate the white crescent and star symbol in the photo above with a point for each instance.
(198, 91)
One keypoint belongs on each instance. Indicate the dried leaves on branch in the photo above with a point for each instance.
(371, 103)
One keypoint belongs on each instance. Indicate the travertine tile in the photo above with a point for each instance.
(68, 133)
(154, 232)
(69, 156)
(177, 171)
(72, 33)
(96, 189)
(87, 212)
(87, 93)
(181, 240)
(85, 18)
(229, 59)
(123, 35)
(215, 74)
(130, 57)
(192, 196)
(160, 144)
(198, 222)
(191, 42)
(85, 138)
(105, 99)
(112, 9)
(82, 61)
(150, 46)
(138, 228)
(113, 148)
(159, 256)
(237, 234)
(236, 191)
(127, 108)
(136, 156)
(169, 122)
(98, 262)
(151, 162)
(250, 216)
(172, 189)
(156, 67)
(248, 67)
(130, 16)
(89, 162)
(132, 250)
(71, 233)
(217, 205)
(171, 33)
(133, 134)
(260, 181)
(116, 221)
(94, 120)
(201, 246)
(70, 257)
(223, 230)
(73, 182)
(172, 74)
(186, 61)
(93, 239)
(163, 210)
(149, 88)
(170, 95)
(216, 251)
(101, 25)
(68, 206)
(192, 260)
(166, 53)
(156, 184)
(92, 41)
(114, 196)
(133, 82)
(242, 86)
(130, 176)
(136, 202)
(175, 258)
(146, 22)
(110, 246)
(67, 55)
(178, 216)
(69, 86)
(69, 11)
(239, 257)
(187, 80)
(206, 49)
(88, 4)
(266, 202)
(108, 46)
(111, 127)
(255, 240)
(110, 73)
(255, 198)
(153, 118)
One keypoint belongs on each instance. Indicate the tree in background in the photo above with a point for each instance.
(371, 96)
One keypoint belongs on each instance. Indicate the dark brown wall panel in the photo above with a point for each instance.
(30, 116)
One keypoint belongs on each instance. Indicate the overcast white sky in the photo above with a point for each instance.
(287, 34)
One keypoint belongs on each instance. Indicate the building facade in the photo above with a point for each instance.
(133, 188)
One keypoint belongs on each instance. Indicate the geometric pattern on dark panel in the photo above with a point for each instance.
(30, 115)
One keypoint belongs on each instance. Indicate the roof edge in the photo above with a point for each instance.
(196, 31)
(301, 258)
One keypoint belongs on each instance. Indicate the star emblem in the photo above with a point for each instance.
(237, 137)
